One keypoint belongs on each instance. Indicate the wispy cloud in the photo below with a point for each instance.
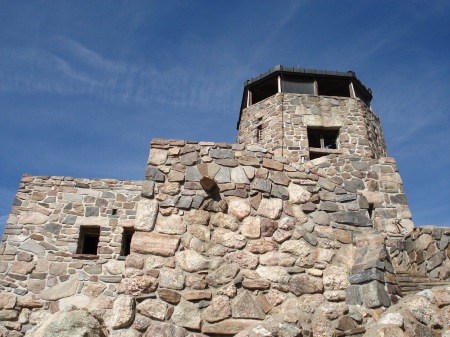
(72, 69)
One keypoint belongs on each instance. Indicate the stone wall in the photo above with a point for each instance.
(40, 241)
(425, 251)
(226, 237)
(284, 119)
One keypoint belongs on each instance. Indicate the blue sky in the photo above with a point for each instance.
(85, 85)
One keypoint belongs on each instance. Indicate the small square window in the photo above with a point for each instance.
(321, 140)
(126, 241)
(88, 240)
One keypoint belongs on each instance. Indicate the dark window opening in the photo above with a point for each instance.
(259, 133)
(370, 210)
(264, 90)
(88, 240)
(322, 139)
(298, 85)
(126, 241)
(114, 211)
(329, 87)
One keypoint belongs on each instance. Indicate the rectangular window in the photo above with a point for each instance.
(259, 133)
(126, 241)
(322, 142)
(88, 240)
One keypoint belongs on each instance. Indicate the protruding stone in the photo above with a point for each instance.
(146, 213)
(208, 183)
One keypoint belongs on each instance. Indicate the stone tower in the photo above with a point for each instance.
(301, 228)
(305, 114)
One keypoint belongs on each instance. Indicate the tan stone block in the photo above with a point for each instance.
(20, 267)
(92, 221)
(270, 208)
(251, 228)
(32, 218)
(373, 197)
(154, 243)
(272, 164)
(7, 300)
(197, 295)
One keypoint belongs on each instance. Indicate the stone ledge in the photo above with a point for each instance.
(85, 256)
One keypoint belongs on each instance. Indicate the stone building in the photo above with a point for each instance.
(300, 228)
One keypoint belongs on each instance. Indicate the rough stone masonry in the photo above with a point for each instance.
(270, 236)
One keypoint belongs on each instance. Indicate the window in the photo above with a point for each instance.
(370, 210)
(333, 87)
(88, 240)
(259, 133)
(322, 142)
(264, 90)
(126, 241)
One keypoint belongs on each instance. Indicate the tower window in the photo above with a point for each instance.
(321, 140)
(126, 241)
(370, 210)
(259, 133)
(88, 240)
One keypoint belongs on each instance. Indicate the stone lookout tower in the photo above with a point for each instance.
(300, 228)
(304, 114)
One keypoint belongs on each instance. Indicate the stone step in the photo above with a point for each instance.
(414, 282)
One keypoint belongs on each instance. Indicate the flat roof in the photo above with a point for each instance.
(308, 72)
